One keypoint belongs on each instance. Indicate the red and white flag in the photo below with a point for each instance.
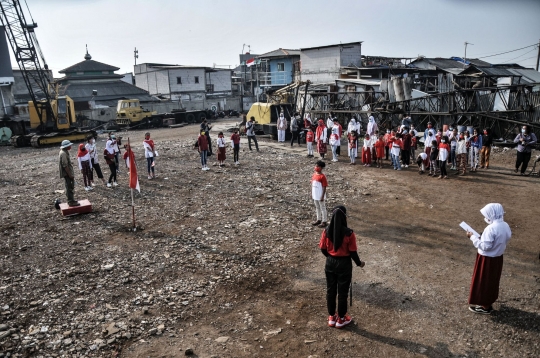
(133, 178)
(250, 62)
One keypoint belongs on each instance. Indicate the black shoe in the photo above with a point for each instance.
(323, 224)
(74, 203)
(315, 223)
(480, 309)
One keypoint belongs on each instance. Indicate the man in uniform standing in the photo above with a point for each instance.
(66, 172)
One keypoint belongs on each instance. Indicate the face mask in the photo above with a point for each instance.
(387, 132)
(523, 130)
(281, 116)
(485, 132)
(487, 220)
(429, 126)
(451, 129)
(461, 137)
(443, 141)
(92, 141)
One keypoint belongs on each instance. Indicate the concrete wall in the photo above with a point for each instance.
(221, 80)
(351, 55)
(188, 80)
(6, 101)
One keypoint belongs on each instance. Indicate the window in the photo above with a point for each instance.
(178, 80)
(196, 79)
(281, 66)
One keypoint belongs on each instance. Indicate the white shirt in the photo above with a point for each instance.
(423, 156)
(250, 128)
(493, 241)
(329, 122)
(221, 142)
(323, 137)
(317, 190)
(92, 150)
(443, 154)
(396, 149)
(110, 147)
(461, 147)
(147, 150)
(282, 123)
(368, 143)
(84, 158)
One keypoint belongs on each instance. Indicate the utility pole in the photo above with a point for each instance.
(538, 57)
(136, 55)
(466, 43)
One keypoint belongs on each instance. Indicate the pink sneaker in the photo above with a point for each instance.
(343, 321)
(332, 320)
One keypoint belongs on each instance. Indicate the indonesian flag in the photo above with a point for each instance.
(250, 62)
(133, 178)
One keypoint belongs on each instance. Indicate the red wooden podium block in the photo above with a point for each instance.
(84, 208)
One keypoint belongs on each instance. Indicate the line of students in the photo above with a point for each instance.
(202, 145)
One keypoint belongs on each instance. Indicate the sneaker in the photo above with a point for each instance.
(92, 184)
(90, 188)
(369, 165)
(87, 188)
(332, 321)
(406, 166)
(202, 169)
(149, 177)
(479, 309)
(315, 223)
(109, 185)
(343, 321)
(115, 184)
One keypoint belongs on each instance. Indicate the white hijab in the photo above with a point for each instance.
(492, 212)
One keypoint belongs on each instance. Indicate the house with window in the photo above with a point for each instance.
(197, 87)
(276, 68)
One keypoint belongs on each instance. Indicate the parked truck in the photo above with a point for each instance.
(131, 114)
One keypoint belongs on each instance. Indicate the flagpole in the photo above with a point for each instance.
(132, 200)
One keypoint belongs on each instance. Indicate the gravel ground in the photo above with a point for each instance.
(225, 262)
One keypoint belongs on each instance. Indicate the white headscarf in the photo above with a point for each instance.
(492, 212)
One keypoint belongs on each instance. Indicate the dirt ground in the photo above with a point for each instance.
(226, 263)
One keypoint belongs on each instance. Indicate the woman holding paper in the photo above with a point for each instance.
(489, 260)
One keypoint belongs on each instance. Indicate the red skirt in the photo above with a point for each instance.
(485, 280)
(321, 147)
(366, 155)
(221, 154)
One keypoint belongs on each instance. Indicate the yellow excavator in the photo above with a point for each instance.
(52, 117)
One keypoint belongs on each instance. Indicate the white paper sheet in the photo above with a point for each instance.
(467, 228)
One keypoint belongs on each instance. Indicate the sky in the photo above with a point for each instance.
(208, 32)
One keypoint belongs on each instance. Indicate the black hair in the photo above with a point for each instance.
(252, 117)
(320, 164)
(445, 137)
(434, 142)
(527, 129)
(220, 133)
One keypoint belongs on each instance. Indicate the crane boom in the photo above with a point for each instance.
(27, 53)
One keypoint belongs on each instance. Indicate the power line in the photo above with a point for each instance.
(521, 56)
(502, 53)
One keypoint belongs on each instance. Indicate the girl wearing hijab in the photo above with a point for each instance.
(221, 149)
(372, 126)
(281, 127)
(149, 153)
(334, 141)
(353, 127)
(83, 157)
(94, 160)
(109, 158)
(338, 244)
(321, 138)
(489, 259)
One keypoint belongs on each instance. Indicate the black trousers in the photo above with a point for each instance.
(523, 160)
(338, 280)
(295, 135)
(406, 157)
(442, 165)
(112, 177)
(252, 138)
(209, 144)
(236, 150)
(97, 168)
(387, 151)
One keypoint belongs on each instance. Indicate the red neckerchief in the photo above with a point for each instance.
(82, 151)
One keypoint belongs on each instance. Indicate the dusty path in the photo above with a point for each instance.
(230, 253)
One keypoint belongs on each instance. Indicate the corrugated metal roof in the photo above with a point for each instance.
(528, 74)
(89, 66)
(345, 44)
(106, 91)
(280, 52)
(495, 72)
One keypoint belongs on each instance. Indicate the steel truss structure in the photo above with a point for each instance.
(500, 108)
